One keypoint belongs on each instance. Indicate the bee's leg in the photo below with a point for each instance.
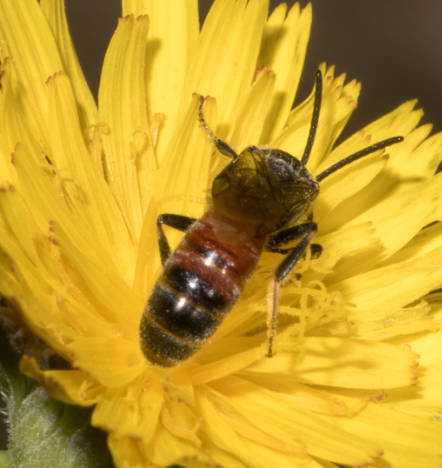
(182, 223)
(315, 250)
(283, 237)
(306, 232)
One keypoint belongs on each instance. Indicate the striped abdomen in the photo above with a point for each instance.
(200, 283)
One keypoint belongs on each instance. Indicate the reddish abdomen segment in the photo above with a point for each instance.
(199, 284)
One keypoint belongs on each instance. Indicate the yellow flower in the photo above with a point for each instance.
(357, 378)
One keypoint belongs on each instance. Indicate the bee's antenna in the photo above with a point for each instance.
(221, 145)
(359, 154)
(315, 118)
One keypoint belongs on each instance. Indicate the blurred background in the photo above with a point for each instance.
(393, 47)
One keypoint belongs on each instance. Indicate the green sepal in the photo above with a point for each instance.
(41, 431)
(4, 459)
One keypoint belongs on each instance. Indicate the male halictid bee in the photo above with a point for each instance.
(260, 200)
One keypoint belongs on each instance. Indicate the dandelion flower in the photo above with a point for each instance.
(357, 375)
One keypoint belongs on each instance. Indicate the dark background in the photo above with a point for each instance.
(394, 47)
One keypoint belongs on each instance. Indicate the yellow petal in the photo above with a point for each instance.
(279, 414)
(165, 449)
(122, 105)
(391, 287)
(7, 141)
(338, 102)
(231, 46)
(283, 49)
(29, 43)
(184, 173)
(322, 401)
(399, 122)
(54, 11)
(406, 441)
(343, 362)
(420, 154)
(253, 108)
(116, 361)
(68, 151)
(353, 196)
(130, 412)
(224, 436)
(70, 386)
(400, 215)
(13, 229)
(425, 401)
(103, 287)
(345, 249)
(171, 46)
(394, 323)
(213, 367)
(126, 452)
(181, 420)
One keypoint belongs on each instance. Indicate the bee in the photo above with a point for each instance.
(261, 200)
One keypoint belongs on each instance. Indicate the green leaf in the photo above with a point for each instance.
(43, 432)
(4, 459)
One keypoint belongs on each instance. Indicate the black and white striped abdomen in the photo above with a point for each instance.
(200, 283)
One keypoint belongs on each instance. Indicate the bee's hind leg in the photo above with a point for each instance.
(182, 223)
(306, 231)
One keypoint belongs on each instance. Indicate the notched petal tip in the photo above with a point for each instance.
(377, 456)
(70, 386)
(264, 70)
(3, 64)
(55, 76)
(207, 97)
(7, 187)
(132, 17)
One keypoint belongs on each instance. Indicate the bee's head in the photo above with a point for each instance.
(264, 187)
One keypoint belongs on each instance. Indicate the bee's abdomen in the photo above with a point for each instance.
(173, 327)
(200, 283)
